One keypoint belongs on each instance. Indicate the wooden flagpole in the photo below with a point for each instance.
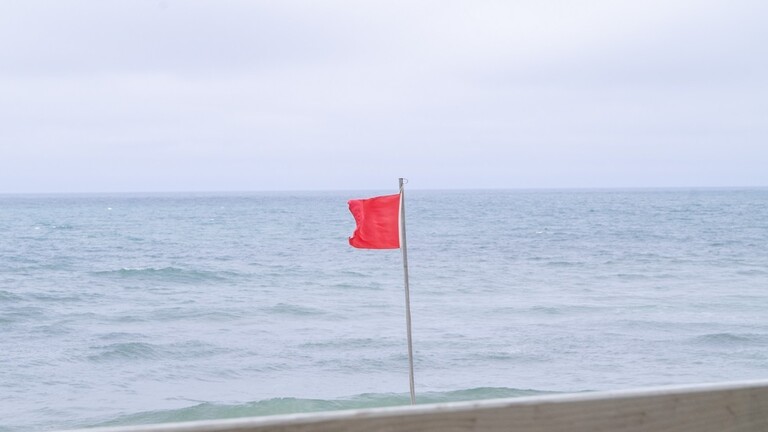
(404, 248)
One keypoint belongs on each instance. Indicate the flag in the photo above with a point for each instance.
(378, 222)
(381, 225)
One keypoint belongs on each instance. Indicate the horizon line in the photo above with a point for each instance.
(297, 190)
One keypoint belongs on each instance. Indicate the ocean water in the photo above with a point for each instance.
(129, 309)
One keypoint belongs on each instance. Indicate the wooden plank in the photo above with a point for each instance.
(741, 407)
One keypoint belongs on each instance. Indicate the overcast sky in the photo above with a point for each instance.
(227, 95)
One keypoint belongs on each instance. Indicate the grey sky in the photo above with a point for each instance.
(149, 95)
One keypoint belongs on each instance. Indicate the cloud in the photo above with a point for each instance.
(233, 95)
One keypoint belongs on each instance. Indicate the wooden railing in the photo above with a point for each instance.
(698, 408)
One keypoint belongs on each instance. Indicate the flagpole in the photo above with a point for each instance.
(404, 248)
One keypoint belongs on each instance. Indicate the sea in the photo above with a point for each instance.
(125, 309)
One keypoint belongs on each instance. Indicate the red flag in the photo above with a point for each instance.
(378, 222)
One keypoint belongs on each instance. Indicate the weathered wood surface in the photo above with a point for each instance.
(700, 408)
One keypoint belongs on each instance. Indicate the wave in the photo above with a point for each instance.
(135, 351)
(732, 339)
(7, 296)
(354, 343)
(290, 309)
(168, 274)
(288, 405)
(125, 351)
(60, 297)
(752, 272)
(19, 314)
